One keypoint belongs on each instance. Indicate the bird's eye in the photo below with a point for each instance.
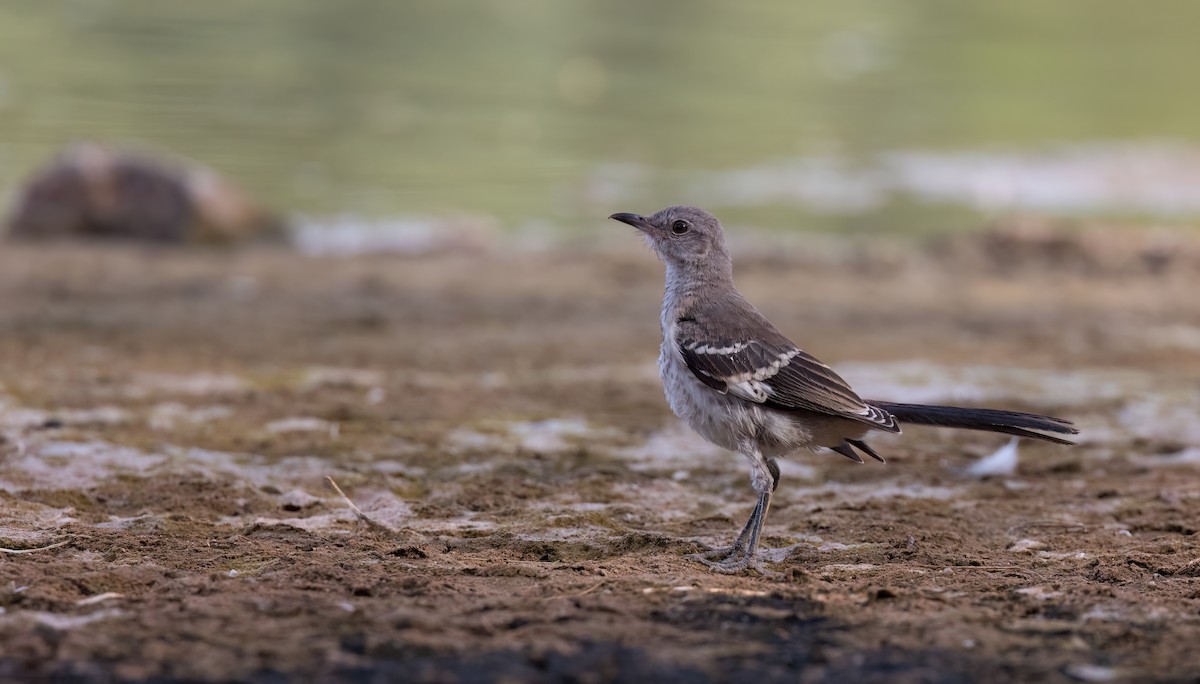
(679, 227)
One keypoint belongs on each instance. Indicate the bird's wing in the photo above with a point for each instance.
(776, 373)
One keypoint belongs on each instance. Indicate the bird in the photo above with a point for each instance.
(741, 384)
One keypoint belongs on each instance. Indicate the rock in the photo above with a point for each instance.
(97, 192)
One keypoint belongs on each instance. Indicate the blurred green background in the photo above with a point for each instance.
(835, 115)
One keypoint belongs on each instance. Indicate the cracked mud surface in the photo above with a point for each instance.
(173, 417)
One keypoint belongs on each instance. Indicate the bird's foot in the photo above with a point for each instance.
(723, 553)
(731, 561)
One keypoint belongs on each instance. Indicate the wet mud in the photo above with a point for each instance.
(170, 420)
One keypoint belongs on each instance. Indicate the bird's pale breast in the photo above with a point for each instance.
(723, 419)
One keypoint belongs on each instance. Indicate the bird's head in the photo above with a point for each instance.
(684, 237)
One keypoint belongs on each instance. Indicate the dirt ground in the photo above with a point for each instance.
(169, 420)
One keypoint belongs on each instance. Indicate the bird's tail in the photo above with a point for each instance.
(991, 420)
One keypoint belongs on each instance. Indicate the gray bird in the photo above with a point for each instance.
(740, 383)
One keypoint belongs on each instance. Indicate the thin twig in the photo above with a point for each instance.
(99, 598)
(585, 592)
(1048, 524)
(40, 548)
(371, 524)
(592, 588)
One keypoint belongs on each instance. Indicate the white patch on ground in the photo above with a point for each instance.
(298, 499)
(560, 434)
(326, 376)
(555, 375)
(1001, 462)
(839, 546)
(1025, 546)
(312, 523)
(548, 435)
(136, 522)
(169, 415)
(676, 447)
(379, 505)
(59, 622)
(468, 522)
(465, 441)
(384, 507)
(668, 500)
(1038, 593)
(1060, 555)
(1085, 672)
(1163, 414)
(821, 495)
(61, 465)
(195, 385)
(73, 465)
(161, 416)
(1189, 456)
(566, 501)
(554, 435)
(564, 534)
(25, 524)
(300, 424)
(308, 472)
(25, 418)
(1106, 613)
(790, 470)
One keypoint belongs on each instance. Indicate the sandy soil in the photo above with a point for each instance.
(169, 419)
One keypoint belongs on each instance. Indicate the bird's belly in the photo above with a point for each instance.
(729, 421)
(719, 418)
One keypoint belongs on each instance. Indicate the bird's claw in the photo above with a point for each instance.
(730, 561)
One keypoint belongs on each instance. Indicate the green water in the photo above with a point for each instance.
(560, 112)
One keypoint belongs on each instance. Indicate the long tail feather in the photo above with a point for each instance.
(991, 420)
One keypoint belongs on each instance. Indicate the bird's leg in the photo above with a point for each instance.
(764, 503)
(740, 556)
(750, 531)
(764, 477)
(739, 545)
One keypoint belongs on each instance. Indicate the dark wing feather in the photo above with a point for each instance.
(779, 375)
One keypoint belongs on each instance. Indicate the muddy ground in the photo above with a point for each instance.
(169, 420)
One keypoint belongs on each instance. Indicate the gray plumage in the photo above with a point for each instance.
(743, 385)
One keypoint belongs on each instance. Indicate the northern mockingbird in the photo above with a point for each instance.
(740, 383)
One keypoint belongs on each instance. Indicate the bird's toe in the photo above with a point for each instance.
(731, 561)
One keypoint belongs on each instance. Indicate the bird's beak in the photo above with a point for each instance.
(634, 220)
